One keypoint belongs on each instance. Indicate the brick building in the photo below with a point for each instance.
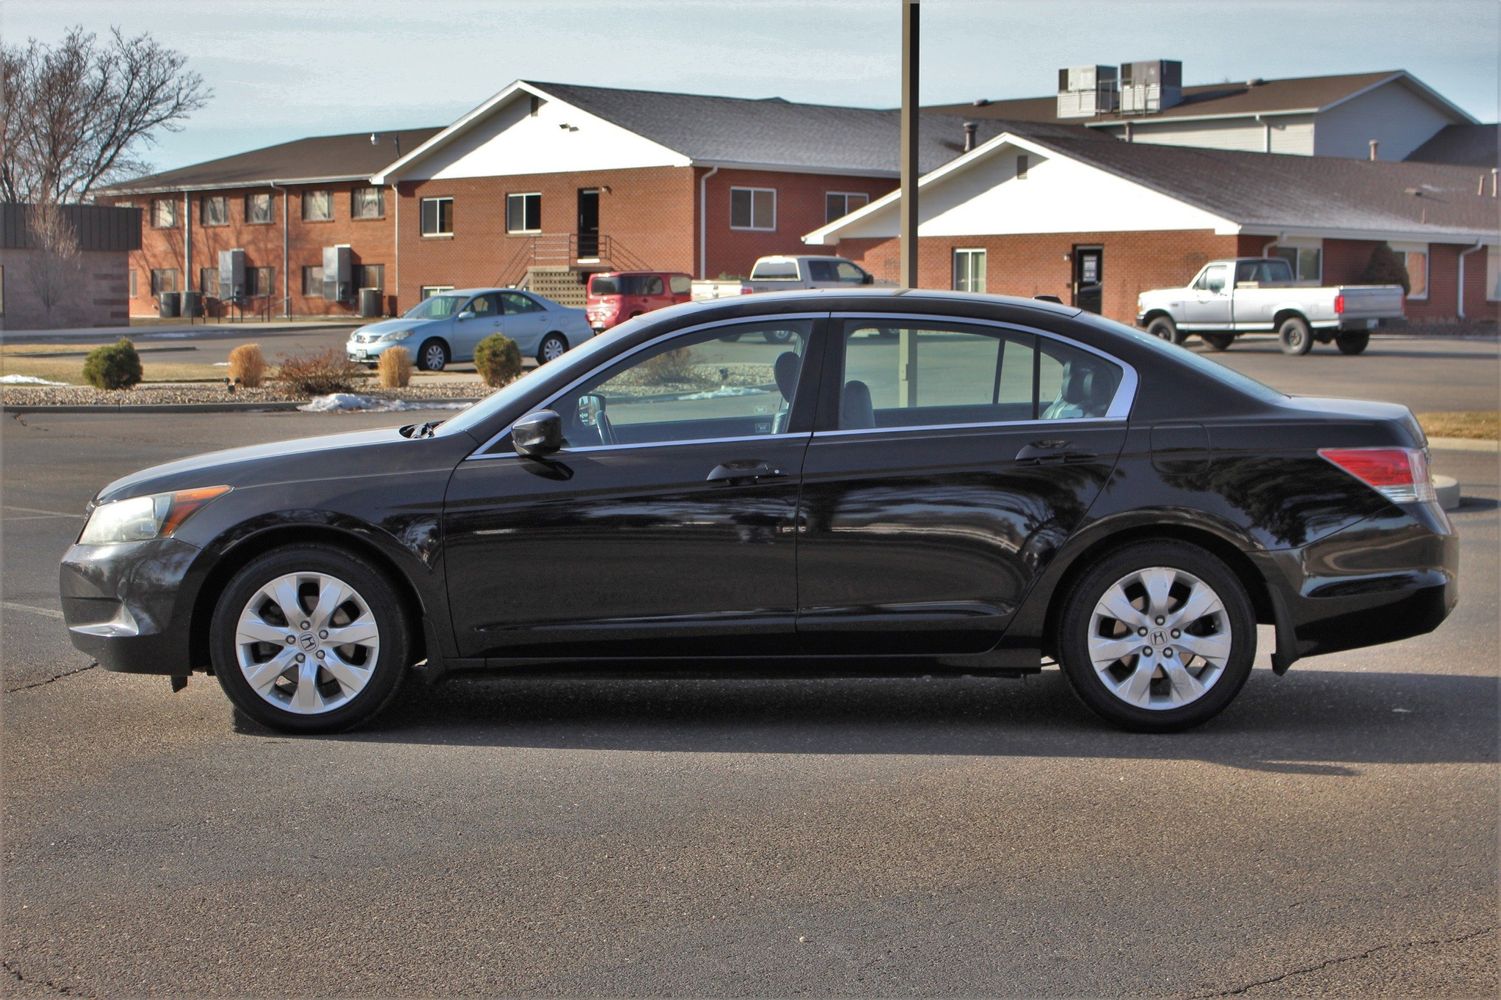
(1096, 221)
(42, 286)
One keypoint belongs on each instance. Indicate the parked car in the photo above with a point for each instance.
(1006, 480)
(616, 296)
(781, 273)
(1228, 297)
(445, 328)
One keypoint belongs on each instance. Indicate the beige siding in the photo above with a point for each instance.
(1237, 133)
(1394, 114)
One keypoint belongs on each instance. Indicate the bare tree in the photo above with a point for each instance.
(56, 269)
(76, 115)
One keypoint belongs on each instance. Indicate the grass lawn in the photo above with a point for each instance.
(1477, 424)
(64, 363)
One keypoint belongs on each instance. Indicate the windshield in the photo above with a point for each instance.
(437, 307)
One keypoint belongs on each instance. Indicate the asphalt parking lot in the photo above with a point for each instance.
(1334, 832)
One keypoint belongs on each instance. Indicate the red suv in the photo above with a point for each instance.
(616, 296)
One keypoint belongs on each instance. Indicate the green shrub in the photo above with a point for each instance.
(318, 374)
(498, 360)
(114, 366)
(1386, 268)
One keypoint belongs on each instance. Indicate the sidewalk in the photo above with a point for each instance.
(178, 331)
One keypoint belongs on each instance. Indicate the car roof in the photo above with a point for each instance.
(481, 291)
(891, 299)
(616, 274)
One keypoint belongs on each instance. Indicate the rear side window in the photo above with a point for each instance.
(935, 375)
(643, 284)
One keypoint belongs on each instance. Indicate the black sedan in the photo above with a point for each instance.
(855, 481)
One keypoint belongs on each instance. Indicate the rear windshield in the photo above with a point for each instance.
(602, 285)
(775, 270)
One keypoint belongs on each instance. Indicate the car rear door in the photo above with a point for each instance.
(949, 463)
(525, 320)
(666, 525)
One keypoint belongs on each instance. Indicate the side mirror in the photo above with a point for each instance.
(537, 434)
(467, 314)
(868, 279)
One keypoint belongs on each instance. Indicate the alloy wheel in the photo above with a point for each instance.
(552, 349)
(307, 643)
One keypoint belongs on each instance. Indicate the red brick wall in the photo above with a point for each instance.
(800, 210)
(370, 240)
(1042, 264)
(1345, 261)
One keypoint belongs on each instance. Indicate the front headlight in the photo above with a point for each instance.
(142, 518)
(398, 335)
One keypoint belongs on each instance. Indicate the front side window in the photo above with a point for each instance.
(214, 211)
(1213, 280)
(437, 216)
(837, 204)
(969, 270)
(317, 206)
(753, 208)
(258, 209)
(367, 203)
(524, 213)
(312, 281)
(937, 375)
(693, 388)
(164, 213)
(436, 303)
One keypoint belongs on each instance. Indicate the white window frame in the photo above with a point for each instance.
(438, 220)
(1426, 249)
(970, 253)
(523, 195)
(754, 191)
(1493, 273)
(846, 195)
(428, 291)
(1300, 244)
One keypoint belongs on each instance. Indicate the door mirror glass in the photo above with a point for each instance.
(537, 434)
(590, 408)
(467, 314)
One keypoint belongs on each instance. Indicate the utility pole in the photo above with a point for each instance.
(909, 144)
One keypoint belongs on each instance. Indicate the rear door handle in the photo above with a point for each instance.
(743, 472)
(1051, 452)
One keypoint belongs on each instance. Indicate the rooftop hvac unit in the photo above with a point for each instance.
(338, 273)
(1150, 86)
(231, 276)
(1085, 91)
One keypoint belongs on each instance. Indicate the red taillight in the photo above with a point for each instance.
(746, 290)
(1399, 474)
(1339, 304)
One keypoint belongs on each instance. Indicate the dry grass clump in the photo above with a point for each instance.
(394, 370)
(247, 365)
(318, 374)
(676, 365)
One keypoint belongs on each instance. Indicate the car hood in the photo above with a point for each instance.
(358, 453)
(391, 326)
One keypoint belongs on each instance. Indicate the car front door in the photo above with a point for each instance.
(1207, 304)
(479, 318)
(666, 525)
(951, 463)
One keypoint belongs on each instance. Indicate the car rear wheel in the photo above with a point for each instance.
(1353, 343)
(1218, 341)
(553, 346)
(1295, 336)
(1164, 328)
(1159, 636)
(309, 640)
(433, 356)
(777, 336)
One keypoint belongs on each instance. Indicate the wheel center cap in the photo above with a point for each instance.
(1159, 638)
(308, 641)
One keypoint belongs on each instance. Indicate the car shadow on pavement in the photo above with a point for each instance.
(1318, 722)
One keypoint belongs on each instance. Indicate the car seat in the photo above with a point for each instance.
(785, 370)
(856, 412)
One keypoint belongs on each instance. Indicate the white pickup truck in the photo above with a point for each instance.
(779, 273)
(1229, 297)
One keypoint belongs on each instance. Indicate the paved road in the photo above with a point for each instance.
(1334, 832)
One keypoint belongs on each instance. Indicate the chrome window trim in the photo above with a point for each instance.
(479, 453)
(589, 448)
(982, 425)
(1120, 403)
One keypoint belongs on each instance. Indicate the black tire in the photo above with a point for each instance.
(1218, 341)
(1078, 617)
(729, 338)
(1353, 343)
(777, 336)
(387, 668)
(550, 343)
(433, 355)
(1163, 328)
(1295, 336)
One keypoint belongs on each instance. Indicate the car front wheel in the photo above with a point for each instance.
(309, 640)
(1164, 328)
(433, 356)
(553, 346)
(1158, 636)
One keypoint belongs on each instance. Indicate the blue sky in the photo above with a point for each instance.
(281, 70)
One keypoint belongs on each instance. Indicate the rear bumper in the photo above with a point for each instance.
(1386, 578)
(129, 606)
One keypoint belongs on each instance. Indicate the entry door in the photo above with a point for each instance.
(588, 232)
(1089, 280)
(666, 526)
(957, 461)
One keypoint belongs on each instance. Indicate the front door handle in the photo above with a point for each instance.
(743, 472)
(1039, 452)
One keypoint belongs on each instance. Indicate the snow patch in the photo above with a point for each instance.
(26, 380)
(348, 402)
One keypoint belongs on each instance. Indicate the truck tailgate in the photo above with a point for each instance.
(1370, 301)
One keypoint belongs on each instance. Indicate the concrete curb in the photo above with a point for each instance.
(115, 409)
(1463, 444)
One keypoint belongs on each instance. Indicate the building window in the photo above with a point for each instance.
(1307, 262)
(312, 281)
(367, 203)
(524, 213)
(208, 280)
(838, 204)
(969, 270)
(317, 206)
(258, 209)
(1414, 258)
(370, 276)
(165, 279)
(428, 291)
(132, 275)
(213, 210)
(1493, 274)
(259, 280)
(1023, 162)
(437, 216)
(164, 213)
(753, 208)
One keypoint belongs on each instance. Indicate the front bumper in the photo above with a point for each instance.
(367, 353)
(129, 606)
